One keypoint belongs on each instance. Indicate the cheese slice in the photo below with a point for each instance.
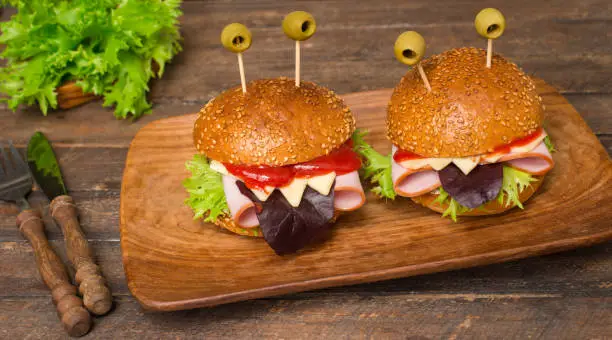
(416, 163)
(294, 191)
(440, 163)
(218, 167)
(466, 164)
(491, 158)
(322, 183)
(263, 195)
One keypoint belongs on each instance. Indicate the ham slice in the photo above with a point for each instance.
(411, 182)
(348, 196)
(536, 162)
(348, 192)
(241, 207)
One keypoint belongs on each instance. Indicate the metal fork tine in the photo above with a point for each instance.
(3, 158)
(20, 164)
(14, 183)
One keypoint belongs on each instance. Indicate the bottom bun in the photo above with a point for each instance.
(227, 222)
(490, 208)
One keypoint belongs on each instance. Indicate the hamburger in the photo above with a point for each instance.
(278, 162)
(474, 144)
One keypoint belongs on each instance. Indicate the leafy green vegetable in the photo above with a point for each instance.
(454, 208)
(377, 167)
(514, 182)
(205, 188)
(549, 144)
(108, 47)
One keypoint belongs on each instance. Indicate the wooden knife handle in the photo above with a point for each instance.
(96, 295)
(74, 317)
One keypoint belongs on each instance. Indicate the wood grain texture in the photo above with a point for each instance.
(580, 272)
(380, 241)
(92, 286)
(557, 41)
(70, 95)
(72, 314)
(339, 316)
(566, 44)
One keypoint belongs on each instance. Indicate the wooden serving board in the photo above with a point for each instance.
(173, 262)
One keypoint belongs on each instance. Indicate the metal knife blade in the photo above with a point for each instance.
(44, 166)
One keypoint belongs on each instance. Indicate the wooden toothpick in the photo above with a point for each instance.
(242, 77)
(424, 77)
(236, 38)
(409, 49)
(489, 52)
(298, 26)
(297, 63)
(490, 23)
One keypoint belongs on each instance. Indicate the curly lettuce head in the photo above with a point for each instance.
(111, 48)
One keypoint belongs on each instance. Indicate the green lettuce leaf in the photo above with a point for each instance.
(454, 208)
(205, 188)
(513, 183)
(109, 47)
(376, 168)
(549, 144)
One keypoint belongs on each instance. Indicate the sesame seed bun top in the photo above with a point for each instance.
(471, 109)
(274, 123)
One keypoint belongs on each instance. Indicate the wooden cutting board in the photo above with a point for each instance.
(173, 262)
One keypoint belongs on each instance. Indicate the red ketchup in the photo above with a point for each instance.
(342, 161)
(503, 149)
(402, 155)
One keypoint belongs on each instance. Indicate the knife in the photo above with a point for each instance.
(45, 169)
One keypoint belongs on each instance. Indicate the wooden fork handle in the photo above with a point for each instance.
(74, 317)
(96, 295)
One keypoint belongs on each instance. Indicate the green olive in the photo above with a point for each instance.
(409, 47)
(236, 38)
(490, 23)
(299, 25)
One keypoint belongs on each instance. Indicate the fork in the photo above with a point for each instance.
(15, 184)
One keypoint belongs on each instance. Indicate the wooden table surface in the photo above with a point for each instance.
(561, 296)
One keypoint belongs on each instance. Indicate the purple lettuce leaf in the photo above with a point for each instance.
(288, 229)
(480, 186)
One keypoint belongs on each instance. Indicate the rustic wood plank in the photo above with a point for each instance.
(92, 126)
(379, 310)
(380, 241)
(265, 12)
(344, 316)
(358, 56)
(99, 216)
(354, 44)
(582, 272)
(89, 125)
(596, 109)
(89, 168)
(18, 265)
(606, 140)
